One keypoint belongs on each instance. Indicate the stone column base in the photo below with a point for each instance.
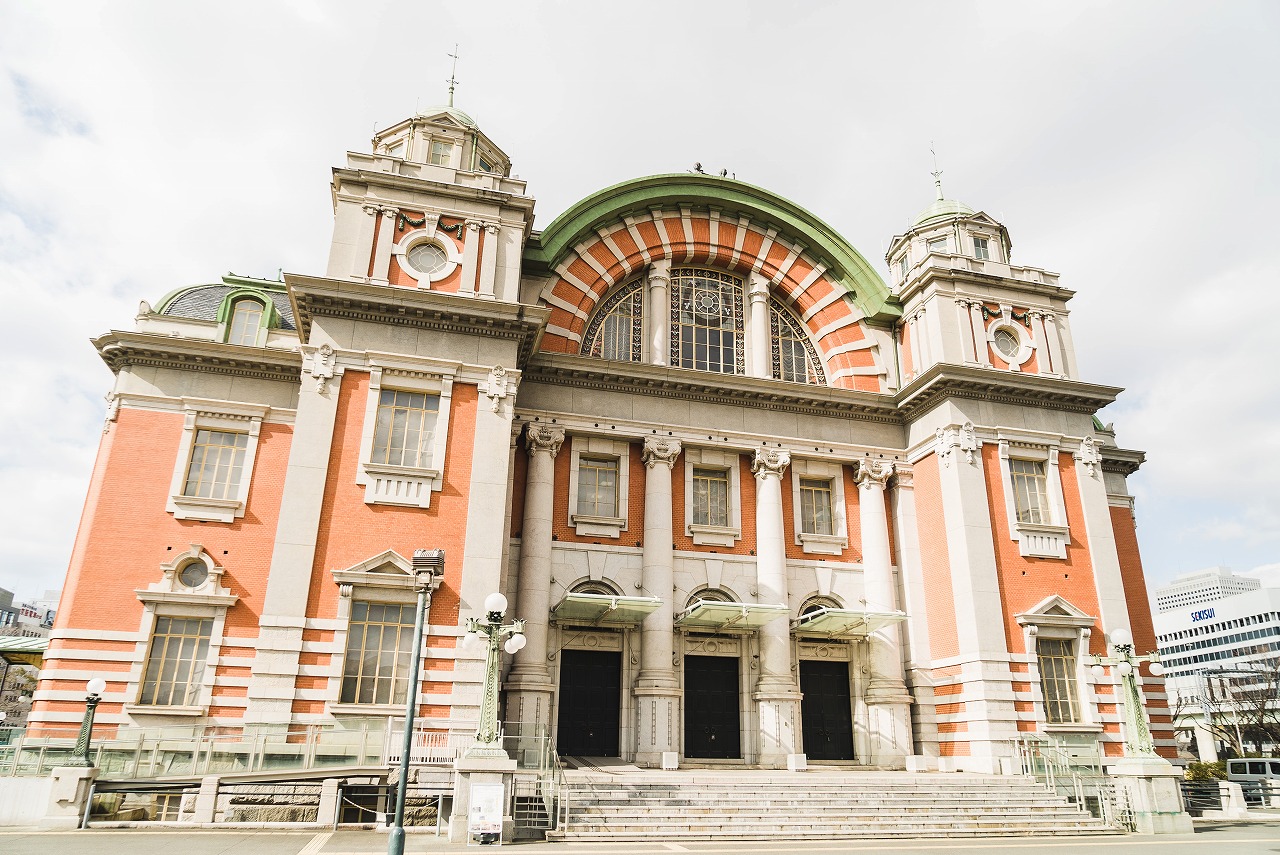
(1151, 785)
(890, 733)
(658, 732)
(529, 703)
(777, 715)
(68, 796)
(480, 770)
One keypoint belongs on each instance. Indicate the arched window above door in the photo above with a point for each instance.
(615, 332)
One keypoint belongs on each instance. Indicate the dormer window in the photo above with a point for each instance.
(246, 319)
(441, 153)
(396, 149)
(980, 250)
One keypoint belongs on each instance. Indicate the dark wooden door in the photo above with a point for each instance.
(711, 722)
(825, 711)
(590, 698)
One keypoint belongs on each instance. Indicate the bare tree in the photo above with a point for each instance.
(1242, 705)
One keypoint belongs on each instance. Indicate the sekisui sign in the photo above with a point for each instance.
(1203, 614)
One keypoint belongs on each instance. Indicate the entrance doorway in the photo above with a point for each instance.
(711, 721)
(590, 698)
(825, 712)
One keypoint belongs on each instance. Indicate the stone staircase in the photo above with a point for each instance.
(762, 805)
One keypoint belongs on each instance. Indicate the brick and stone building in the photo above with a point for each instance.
(753, 498)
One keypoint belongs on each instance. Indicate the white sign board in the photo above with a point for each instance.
(485, 813)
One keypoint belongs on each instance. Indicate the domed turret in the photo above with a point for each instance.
(442, 136)
(942, 209)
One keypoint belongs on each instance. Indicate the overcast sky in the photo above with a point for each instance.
(1128, 146)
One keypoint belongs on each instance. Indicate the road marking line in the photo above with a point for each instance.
(317, 843)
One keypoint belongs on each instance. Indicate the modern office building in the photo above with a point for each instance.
(1203, 586)
(752, 498)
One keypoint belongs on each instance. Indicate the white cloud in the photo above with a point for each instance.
(144, 146)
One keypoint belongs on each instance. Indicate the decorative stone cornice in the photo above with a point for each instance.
(874, 474)
(314, 297)
(943, 381)
(770, 462)
(1121, 460)
(658, 381)
(660, 449)
(129, 349)
(543, 438)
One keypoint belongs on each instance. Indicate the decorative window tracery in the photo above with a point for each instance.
(794, 357)
(706, 321)
(615, 332)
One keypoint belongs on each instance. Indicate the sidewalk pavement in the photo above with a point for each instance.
(1237, 838)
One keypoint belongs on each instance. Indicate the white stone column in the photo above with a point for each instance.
(966, 331)
(777, 695)
(888, 701)
(657, 689)
(659, 280)
(529, 686)
(979, 334)
(363, 250)
(761, 355)
(1044, 358)
(915, 632)
(488, 261)
(470, 254)
(382, 246)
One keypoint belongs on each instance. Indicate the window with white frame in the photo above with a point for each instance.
(938, 245)
(817, 500)
(246, 321)
(1057, 660)
(216, 454)
(175, 661)
(980, 250)
(379, 653)
(405, 431)
(425, 254)
(1033, 495)
(713, 512)
(441, 153)
(903, 267)
(598, 483)
(615, 331)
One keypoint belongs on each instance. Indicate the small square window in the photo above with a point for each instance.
(441, 153)
(175, 663)
(711, 497)
(980, 249)
(938, 245)
(598, 487)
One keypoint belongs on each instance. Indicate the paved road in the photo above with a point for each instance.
(1229, 838)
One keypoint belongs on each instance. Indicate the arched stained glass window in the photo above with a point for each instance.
(706, 321)
(794, 358)
(614, 332)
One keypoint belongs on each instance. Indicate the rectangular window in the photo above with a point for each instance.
(246, 317)
(938, 245)
(980, 249)
(175, 663)
(217, 461)
(441, 153)
(379, 642)
(902, 266)
(1058, 679)
(815, 506)
(711, 497)
(1029, 490)
(598, 487)
(405, 426)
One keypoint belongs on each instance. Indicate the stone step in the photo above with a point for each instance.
(826, 834)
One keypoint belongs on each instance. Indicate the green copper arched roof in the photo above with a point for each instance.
(845, 264)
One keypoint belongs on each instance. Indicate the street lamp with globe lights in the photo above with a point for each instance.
(80, 755)
(1138, 741)
(490, 628)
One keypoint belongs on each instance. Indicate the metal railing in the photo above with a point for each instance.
(1073, 770)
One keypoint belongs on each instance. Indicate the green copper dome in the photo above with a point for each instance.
(942, 209)
(453, 112)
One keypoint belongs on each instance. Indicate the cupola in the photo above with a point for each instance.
(445, 137)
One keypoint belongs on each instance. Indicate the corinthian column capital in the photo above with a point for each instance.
(660, 450)
(770, 462)
(874, 474)
(544, 438)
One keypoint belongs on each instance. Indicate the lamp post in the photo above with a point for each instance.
(428, 570)
(1138, 741)
(80, 756)
(488, 736)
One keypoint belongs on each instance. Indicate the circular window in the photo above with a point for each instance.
(1007, 342)
(193, 575)
(427, 258)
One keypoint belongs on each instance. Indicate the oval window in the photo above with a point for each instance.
(427, 258)
(193, 575)
(1007, 342)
